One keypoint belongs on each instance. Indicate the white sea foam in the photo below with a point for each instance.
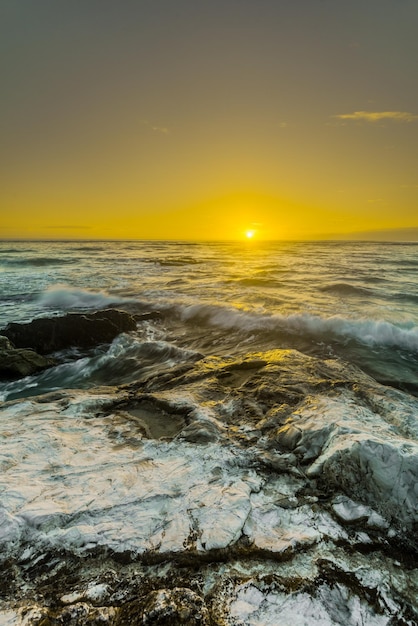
(63, 297)
(125, 360)
(369, 332)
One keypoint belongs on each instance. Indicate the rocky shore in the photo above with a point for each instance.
(272, 488)
(23, 346)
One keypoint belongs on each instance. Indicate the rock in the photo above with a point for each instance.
(82, 330)
(19, 362)
(166, 607)
(112, 506)
(288, 436)
(200, 432)
(5, 344)
(79, 614)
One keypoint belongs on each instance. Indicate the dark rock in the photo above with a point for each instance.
(19, 362)
(82, 330)
(288, 436)
(5, 344)
(78, 614)
(149, 315)
(200, 432)
(166, 607)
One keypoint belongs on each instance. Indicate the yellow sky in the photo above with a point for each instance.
(177, 121)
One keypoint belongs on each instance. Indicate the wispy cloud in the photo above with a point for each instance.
(157, 129)
(378, 116)
(160, 129)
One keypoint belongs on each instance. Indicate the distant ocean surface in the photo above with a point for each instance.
(354, 301)
(245, 455)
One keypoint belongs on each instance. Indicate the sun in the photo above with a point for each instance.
(250, 234)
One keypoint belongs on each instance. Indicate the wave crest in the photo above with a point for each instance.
(345, 289)
(369, 332)
(36, 262)
(63, 297)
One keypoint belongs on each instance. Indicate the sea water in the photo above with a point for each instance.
(355, 301)
(249, 451)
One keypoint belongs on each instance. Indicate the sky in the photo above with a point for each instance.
(192, 119)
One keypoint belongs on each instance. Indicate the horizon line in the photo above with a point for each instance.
(335, 239)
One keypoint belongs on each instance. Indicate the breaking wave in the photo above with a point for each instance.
(63, 297)
(125, 360)
(376, 333)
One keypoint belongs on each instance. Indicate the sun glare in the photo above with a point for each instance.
(250, 234)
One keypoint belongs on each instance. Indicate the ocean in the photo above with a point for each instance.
(252, 443)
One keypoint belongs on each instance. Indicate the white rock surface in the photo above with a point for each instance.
(280, 496)
(354, 448)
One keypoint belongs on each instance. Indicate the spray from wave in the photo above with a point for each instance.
(125, 360)
(374, 333)
(62, 297)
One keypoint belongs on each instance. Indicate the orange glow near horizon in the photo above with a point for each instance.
(221, 219)
(221, 123)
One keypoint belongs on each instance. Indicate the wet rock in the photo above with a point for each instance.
(351, 448)
(375, 472)
(83, 330)
(348, 512)
(78, 614)
(5, 344)
(200, 432)
(278, 462)
(115, 509)
(149, 315)
(19, 362)
(82, 614)
(288, 437)
(166, 607)
(154, 419)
